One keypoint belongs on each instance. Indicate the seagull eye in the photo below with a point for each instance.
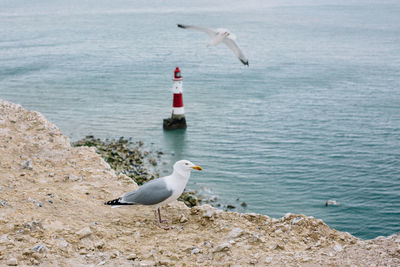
(186, 163)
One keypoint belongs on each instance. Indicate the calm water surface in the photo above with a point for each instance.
(316, 116)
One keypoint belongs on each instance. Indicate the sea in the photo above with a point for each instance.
(315, 116)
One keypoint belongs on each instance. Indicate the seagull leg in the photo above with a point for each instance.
(159, 214)
(159, 221)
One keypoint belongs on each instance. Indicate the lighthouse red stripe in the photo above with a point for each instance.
(178, 101)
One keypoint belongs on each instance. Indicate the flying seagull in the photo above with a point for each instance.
(218, 36)
(159, 192)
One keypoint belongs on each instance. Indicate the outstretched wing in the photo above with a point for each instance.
(209, 32)
(236, 50)
(150, 193)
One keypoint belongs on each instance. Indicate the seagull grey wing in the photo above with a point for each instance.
(209, 32)
(150, 193)
(236, 50)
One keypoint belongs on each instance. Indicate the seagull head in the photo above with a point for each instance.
(185, 166)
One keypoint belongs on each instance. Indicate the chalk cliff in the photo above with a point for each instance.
(52, 214)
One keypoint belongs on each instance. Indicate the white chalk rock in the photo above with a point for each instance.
(208, 211)
(222, 247)
(195, 251)
(84, 232)
(73, 178)
(131, 257)
(297, 220)
(12, 262)
(235, 233)
(183, 219)
(338, 247)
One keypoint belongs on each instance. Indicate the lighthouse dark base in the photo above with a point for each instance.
(174, 123)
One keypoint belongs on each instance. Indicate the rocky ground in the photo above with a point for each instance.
(52, 214)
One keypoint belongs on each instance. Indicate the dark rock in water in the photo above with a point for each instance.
(172, 124)
(244, 204)
(331, 203)
(231, 207)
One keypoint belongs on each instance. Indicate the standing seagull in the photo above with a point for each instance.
(159, 192)
(218, 36)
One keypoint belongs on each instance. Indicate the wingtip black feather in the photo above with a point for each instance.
(181, 26)
(246, 63)
(116, 201)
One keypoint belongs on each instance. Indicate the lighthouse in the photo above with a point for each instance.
(177, 120)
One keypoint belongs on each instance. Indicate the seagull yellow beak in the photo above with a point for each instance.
(197, 168)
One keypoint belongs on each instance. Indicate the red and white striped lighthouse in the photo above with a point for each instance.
(177, 120)
(178, 110)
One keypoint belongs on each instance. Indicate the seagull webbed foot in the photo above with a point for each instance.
(160, 221)
(165, 227)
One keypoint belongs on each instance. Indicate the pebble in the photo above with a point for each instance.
(278, 246)
(34, 225)
(235, 233)
(12, 262)
(52, 174)
(164, 262)
(114, 254)
(338, 247)
(287, 215)
(208, 211)
(222, 247)
(195, 251)
(268, 259)
(27, 165)
(73, 178)
(253, 261)
(147, 263)
(207, 244)
(62, 243)
(297, 220)
(183, 219)
(84, 232)
(131, 257)
(255, 237)
(99, 244)
(40, 248)
(3, 202)
(278, 231)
